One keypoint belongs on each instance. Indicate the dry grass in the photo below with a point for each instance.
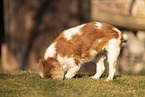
(29, 84)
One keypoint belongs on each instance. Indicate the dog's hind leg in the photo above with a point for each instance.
(100, 68)
(112, 55)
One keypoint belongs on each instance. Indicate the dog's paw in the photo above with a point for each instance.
(106, 80)
(94, 77)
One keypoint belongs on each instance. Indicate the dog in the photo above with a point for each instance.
(93, 41)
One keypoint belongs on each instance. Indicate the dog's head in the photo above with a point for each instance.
(50, 68)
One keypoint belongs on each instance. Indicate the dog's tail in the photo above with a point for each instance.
(124, 38)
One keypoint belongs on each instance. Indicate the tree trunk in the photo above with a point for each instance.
(31, 25)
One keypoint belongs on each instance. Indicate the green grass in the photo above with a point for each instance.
(29, 84)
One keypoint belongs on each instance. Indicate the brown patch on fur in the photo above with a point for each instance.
(122, 38)
(80, 45)
(97, 46)
(51, 68)
(120, 45)
(122, 35)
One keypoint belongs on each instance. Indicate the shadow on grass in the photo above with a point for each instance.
(89, 75)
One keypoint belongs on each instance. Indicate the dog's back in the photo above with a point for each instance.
(81, 44)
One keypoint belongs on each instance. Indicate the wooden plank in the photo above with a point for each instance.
(125, 22)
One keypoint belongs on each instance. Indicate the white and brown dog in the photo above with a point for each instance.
(81, 44)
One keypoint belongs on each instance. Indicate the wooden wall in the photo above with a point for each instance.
(126, 14)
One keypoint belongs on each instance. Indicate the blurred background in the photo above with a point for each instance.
(27, 27)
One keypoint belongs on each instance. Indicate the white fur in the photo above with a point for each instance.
(100, 67)
(71, 72)
(99, 25)
(50, 51)
(99, 40)
(66, 60)
(93, 53)
(69, 65)
(113, 45)
(73, 31)
(119, 32)
(125, 37)
(113, 52)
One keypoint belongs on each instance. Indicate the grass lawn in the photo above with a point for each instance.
(29, 84)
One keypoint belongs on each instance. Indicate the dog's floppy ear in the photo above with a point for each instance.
(50, 68)
(44, 67)
(40, 68)
(56, 70)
